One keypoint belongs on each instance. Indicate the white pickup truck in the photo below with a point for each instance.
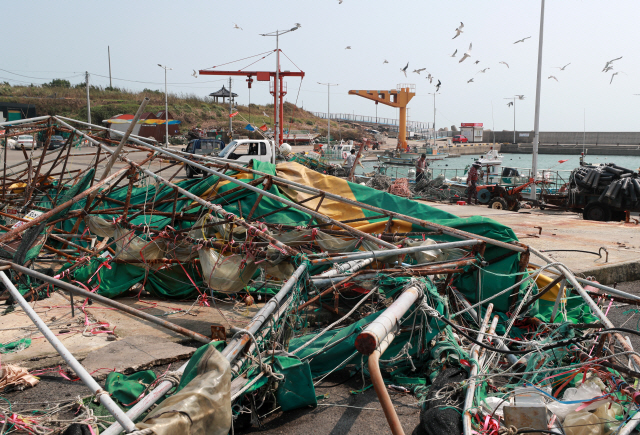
(245, 150)
(237, 151)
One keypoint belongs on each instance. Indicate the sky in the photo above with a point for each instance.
(64, 39)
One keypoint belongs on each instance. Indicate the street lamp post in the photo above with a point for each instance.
(276, 82)
(166, 106)
(434, 116)
(329, 111)
(514, 116)
(536, 121)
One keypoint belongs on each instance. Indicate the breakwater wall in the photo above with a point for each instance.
(571, 149)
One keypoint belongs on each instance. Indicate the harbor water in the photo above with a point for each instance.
(451, 167)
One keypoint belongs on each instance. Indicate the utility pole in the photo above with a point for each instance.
(584, 127)
(434, 117)
(376, 114)
(276, 84)
(88, 100)
(230, 111)
(109, 53)
(536, 122)
(166, 106)
(514, 120)
(329, 110)
(514, 115)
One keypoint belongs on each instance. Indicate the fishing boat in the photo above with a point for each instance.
(409, 158)
(299, 137)
(491, 158)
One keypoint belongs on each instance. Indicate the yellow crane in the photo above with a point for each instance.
(399, 98)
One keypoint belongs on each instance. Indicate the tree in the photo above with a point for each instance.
(57, 83)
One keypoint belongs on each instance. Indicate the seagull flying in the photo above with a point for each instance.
(348, 47)
(561, 68)
(610, 62)
(454, 53)
(419, 70)
(552, 77)
(504, 63)
(613, 75)
(385, 61)
(470, 80)
(607, 69)
(522, 40)
(459, 30)
(520, 97)
(339, 2)
(483, 70)
(466, 55)
(195, 74)
(476, 62)
(263, 112)
(404, 70)
(510, 103)
(235, 26)
(438, 86)
(430, 78)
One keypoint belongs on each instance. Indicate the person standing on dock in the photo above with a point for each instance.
(421, 166)
(350, 161)
(472, 179)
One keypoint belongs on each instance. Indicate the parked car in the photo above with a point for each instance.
(201, 147)
(460, 139)
(56, 142)
(23, 140)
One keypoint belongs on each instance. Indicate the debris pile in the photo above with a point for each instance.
(616, 186)
(329, 275)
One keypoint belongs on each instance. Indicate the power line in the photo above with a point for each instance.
(156, 83)
(40, 78)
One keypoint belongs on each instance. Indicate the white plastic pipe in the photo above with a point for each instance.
(471, 386)
(394, 252)
(369, 339)
(86, 378)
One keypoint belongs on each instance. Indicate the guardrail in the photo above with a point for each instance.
(415, 126)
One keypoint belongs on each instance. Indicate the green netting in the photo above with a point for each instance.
(174, 282)
(113, 278)
(127, 388)
(70, 193)
(576, 311)
(338, 346)
(116, 278)
(15, 346)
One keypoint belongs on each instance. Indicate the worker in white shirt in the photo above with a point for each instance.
(350, 161)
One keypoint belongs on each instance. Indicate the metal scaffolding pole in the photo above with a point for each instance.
(95, 388)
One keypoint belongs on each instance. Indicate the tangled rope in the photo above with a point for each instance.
(400, 187)
(380, 182)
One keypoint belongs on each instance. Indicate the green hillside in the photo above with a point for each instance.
(61, 98)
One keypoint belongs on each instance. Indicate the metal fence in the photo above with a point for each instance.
(414, 126)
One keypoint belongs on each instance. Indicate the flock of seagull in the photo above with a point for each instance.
(458, 31)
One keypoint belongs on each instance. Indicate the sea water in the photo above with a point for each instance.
(457, 165)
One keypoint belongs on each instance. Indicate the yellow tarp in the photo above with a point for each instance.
(336, 210)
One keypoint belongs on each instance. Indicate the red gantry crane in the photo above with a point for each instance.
(276, 88)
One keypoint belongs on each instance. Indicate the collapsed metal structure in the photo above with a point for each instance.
(425, 299)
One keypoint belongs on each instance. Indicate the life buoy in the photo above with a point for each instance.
(345, 154)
